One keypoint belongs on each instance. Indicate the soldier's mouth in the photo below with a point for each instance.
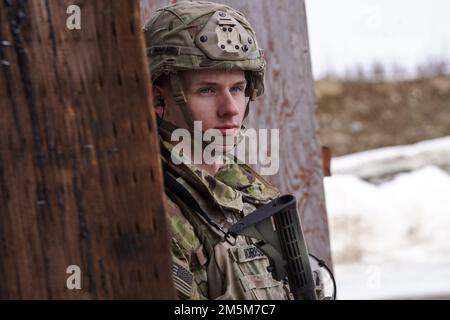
(228, 130)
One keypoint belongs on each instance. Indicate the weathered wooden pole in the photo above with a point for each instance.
(288, 104)
(80, 179)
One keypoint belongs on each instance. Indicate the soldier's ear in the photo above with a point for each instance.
(158, 100)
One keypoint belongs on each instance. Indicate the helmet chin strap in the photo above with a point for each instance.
(242, 129)
(180, 99)
(241, 133)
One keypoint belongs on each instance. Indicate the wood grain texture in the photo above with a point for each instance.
(80, 179)
(288, 104)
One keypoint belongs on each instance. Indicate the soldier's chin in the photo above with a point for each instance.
(222, 149)
(223, 144)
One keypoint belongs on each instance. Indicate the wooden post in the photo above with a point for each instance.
(288, 105)
(80, 179)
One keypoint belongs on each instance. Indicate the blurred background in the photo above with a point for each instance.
(382, 79)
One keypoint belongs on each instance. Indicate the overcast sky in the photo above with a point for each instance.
(350, 32)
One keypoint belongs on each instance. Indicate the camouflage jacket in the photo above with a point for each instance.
(204, 265)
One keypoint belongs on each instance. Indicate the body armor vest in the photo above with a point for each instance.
(211, 204)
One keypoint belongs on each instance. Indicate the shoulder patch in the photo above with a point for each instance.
(183, 279)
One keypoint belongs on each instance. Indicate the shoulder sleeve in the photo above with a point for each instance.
(184, 243)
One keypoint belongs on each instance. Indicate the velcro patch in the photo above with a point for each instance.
(183, 280)
(258, 281)
(248, 253)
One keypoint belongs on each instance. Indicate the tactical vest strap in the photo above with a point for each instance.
(180, 99)
(201, 256)
(184, 194)
(207, 238)
(198, 218)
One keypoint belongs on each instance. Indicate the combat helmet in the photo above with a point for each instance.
(201, 35)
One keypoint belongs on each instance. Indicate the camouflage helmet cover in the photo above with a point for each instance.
(202, 35)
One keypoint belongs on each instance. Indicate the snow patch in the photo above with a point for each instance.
(391, 240)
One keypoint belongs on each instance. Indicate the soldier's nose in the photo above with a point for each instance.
(228, 106)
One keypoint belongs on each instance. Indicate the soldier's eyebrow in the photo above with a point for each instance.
(239, 83)
(212, 83)
(205, 83)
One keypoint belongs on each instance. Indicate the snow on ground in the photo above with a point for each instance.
(392, 281)
(391, 240)
(391, 160)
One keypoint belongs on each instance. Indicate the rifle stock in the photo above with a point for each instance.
(277, 227)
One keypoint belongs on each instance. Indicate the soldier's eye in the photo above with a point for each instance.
(206, 91)
(237, 89)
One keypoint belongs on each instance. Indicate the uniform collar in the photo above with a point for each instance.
(232, 185)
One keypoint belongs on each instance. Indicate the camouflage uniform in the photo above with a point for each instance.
(205, 265)
(200, 35)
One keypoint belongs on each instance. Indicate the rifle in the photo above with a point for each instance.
(277, 227)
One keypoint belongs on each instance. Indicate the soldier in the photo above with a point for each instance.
(206, 66)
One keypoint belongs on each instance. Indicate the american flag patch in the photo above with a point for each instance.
(183, 280)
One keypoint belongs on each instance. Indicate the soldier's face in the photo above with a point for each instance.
(217, 98)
